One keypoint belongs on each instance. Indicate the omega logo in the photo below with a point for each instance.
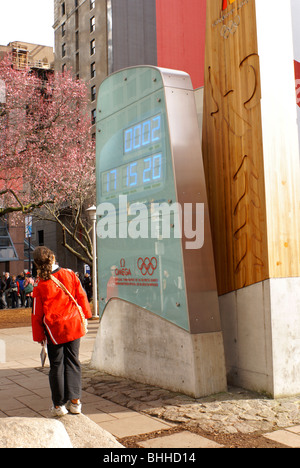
(122, 271)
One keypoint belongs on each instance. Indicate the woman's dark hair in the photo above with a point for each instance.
(43, 259)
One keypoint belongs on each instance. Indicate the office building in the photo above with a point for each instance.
(95, 38)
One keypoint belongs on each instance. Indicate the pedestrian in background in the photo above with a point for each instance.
(2, 301)
(7, 280)
(20, 281)
(56, 318)
(87, 284)
(14, 292)
(28, 290)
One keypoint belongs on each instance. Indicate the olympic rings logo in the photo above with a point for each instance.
(147, 266)
(231, 27)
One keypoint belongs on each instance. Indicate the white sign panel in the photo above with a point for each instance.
(28, 226)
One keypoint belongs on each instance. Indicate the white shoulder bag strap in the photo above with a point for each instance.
(62, 286)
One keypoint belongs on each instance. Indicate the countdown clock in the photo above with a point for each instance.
(148, 150)
(138, 173)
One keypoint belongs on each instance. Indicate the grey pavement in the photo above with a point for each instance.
(141, 415)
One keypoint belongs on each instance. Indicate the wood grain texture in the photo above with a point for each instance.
(233, 147)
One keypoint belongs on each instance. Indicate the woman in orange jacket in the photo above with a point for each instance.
(60, 307)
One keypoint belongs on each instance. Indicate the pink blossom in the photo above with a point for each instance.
(46, 149)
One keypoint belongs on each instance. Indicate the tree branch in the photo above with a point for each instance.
(22, 208)
(81, 257)
(87, 249)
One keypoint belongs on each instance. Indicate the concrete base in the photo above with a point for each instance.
(136, 344)
(261, 330)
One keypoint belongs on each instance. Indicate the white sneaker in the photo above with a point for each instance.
(74, 408)
(59, 412)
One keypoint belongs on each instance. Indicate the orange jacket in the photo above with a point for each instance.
(53, 311)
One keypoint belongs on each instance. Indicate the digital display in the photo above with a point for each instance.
(147, 172)
(141, 173)
(138, 262)
(142, 134)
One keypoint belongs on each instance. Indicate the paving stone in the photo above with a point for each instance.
(183, 439)
(11, 404)
(295, 429)
(24, 390)
(132, 426)
(237, 410)
(285, 438)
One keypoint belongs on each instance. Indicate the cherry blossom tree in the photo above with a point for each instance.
(47, 156)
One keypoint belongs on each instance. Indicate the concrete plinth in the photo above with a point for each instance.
(261, 330)
(136, 344)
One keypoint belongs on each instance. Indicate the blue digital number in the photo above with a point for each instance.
(128, 140)
(146, 133)
(143, 171)
(131, 178)
(156, 173)
(147, 171)
(152, 168)
(156, 130)
(142, 134)
(137, 137)
(111, 182)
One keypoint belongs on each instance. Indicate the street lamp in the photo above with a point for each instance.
(92, 214)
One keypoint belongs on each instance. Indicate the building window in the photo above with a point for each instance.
(92, 4)
(77, 63)
(93, 46)
(63, 29)
(63, 68)
(93, 70)
(63, 50)
(63, 8)
(93, 116)
(92, 24)
(93, 93)
(77, 40)
(76, 3)
(41, 237)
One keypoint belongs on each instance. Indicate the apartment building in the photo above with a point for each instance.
(80, 28)
(25, 54)
(97, 37)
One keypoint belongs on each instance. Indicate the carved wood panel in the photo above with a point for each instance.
(232, 145)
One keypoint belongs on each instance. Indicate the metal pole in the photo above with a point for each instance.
(92, 213)
(29, 266)
(95, 293)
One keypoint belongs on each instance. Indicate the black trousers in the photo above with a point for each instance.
(65, 372)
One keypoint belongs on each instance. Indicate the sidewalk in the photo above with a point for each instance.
(140, 415)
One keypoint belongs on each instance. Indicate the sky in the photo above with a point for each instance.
(295, 19)
(27, 21)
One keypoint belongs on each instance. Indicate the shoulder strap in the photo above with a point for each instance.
(62, 286)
